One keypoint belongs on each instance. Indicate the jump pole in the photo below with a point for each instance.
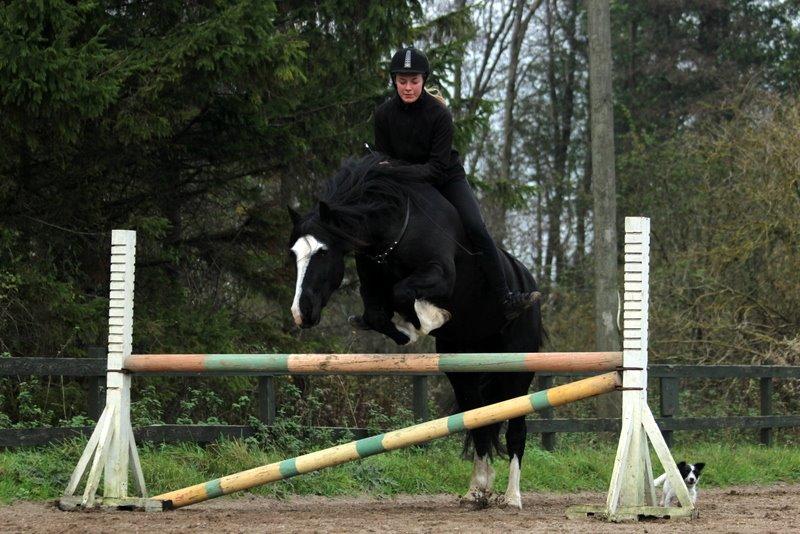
(397, 439)
(375, 363)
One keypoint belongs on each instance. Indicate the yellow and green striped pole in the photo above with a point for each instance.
(375, 363)
(397, 439)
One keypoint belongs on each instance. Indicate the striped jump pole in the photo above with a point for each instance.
(397, 439)
(375, 363)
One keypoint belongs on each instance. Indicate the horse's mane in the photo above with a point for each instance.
(360, 191)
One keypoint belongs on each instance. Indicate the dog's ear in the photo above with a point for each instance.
(699, 467)
(681, 464)
(294, 215)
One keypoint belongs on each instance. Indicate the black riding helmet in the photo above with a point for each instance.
(409, 61)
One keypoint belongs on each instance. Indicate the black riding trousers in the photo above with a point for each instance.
(458, 192)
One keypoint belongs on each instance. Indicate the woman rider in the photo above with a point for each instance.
(416, 128)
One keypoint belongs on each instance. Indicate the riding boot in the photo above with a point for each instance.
(514, 303)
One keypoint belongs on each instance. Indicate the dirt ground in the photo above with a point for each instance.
(743, 509)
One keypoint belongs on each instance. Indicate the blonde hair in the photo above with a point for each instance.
(437, 94)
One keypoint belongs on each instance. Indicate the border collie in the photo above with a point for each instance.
(690, 474)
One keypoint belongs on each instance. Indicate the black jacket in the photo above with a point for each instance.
(420, 135)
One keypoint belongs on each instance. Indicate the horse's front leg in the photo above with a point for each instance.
(412, 294)
(381, 321)
(376, 294)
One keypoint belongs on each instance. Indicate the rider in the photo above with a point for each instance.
(415, 127)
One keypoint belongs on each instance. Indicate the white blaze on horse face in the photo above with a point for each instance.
(303, 249)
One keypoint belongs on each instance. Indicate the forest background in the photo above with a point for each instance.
(197, 123)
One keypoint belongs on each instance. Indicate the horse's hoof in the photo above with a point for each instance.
(475, 500)
(504, 501)
(430, 316)
(404, 328)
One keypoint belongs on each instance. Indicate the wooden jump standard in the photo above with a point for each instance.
(112, 450)
(398, 439)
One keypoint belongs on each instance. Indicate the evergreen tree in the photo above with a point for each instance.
(190, 122)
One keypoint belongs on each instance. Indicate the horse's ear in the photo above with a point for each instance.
(294, 215)
(325, 212)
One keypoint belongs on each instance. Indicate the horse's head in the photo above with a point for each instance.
(320, 265)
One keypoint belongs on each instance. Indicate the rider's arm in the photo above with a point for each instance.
(435, 169)
(380, 128)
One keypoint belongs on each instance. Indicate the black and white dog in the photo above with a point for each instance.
(690, 474)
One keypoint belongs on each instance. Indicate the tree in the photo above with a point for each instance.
(189, 122)
(523, 12)
(603, 176)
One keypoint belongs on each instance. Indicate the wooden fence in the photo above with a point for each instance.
(668, 378)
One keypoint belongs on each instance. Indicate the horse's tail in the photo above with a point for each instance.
(491, 391)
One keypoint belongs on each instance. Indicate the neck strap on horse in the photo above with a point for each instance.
(382, 257)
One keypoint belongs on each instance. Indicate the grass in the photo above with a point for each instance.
(578, 464)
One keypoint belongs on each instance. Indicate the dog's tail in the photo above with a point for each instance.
(660, 480)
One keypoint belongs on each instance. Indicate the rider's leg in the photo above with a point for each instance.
(458, 192)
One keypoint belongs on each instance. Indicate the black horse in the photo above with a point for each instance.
(418, 277)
